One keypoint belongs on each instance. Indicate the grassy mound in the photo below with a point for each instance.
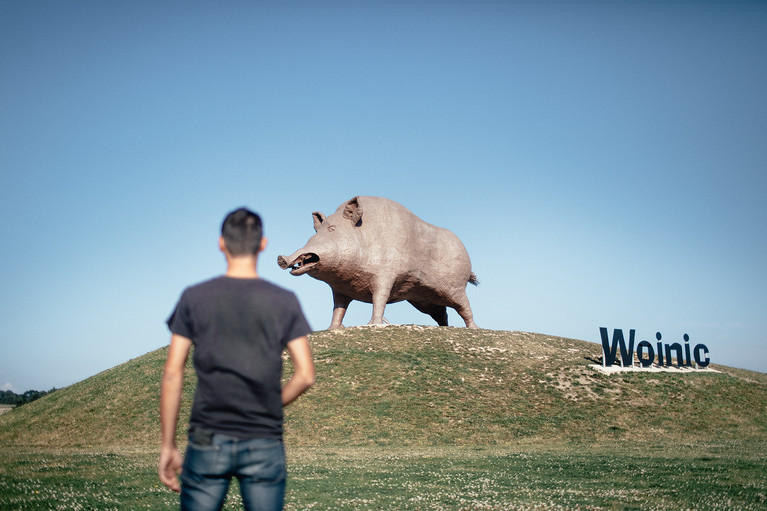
(428, 386)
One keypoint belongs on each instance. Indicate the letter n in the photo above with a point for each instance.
(609, 351)
(677, 348)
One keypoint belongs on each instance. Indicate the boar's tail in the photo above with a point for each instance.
(473, 279)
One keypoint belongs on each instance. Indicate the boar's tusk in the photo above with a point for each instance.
(301, 262)
(306, 259)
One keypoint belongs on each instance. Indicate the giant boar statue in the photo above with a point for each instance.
(375, 250)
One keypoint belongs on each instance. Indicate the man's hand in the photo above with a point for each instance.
(170, 467)
(170, 398)
(303, 370)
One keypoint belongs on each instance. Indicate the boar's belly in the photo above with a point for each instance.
(413, 288)
(357, 286)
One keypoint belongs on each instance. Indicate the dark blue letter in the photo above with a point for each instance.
(646, 362)
(679, 357)
(701, 362)
(608, 352)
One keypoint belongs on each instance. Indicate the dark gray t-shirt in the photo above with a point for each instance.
(239, 328)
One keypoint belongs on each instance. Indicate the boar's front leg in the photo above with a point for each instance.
(381, 293)
(340, 304)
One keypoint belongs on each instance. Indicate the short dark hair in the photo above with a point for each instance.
(242, 231)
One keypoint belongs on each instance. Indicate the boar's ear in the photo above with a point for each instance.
(353, 211)
(318, 219)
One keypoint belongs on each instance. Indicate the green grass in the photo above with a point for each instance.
(634, 476)
(425, 418)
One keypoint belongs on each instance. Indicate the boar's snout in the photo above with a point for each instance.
(300, 264)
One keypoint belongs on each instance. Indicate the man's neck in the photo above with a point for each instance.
(242, 268)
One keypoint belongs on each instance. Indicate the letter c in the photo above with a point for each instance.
(702, 362)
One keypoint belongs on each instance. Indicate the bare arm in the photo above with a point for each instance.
(170, 400)
(303, 370)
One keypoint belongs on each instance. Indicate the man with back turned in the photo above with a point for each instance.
(239, 325)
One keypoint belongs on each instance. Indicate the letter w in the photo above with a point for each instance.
(609, 351)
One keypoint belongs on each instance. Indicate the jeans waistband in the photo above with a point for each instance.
(202, 436)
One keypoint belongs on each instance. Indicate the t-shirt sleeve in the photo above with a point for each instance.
(179, 321)
(299, 326)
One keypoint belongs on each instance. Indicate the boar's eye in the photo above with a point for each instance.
(331, 228)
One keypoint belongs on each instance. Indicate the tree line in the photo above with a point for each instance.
(8, 397)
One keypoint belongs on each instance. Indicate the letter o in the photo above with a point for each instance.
(646, 362)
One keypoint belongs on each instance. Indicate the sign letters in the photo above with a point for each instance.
(665, 356)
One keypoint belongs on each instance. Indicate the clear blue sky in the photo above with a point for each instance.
(605, 163)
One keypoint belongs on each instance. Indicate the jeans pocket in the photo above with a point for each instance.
(203, 460)
(263, 460)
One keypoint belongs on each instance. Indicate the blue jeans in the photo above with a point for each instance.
(258, 464)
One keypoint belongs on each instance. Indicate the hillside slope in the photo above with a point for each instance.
(413, 385)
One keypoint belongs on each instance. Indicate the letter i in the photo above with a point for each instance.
(687, 350)
(660, 349)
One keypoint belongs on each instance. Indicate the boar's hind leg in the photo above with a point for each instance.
(463, 309)
(438, 312)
